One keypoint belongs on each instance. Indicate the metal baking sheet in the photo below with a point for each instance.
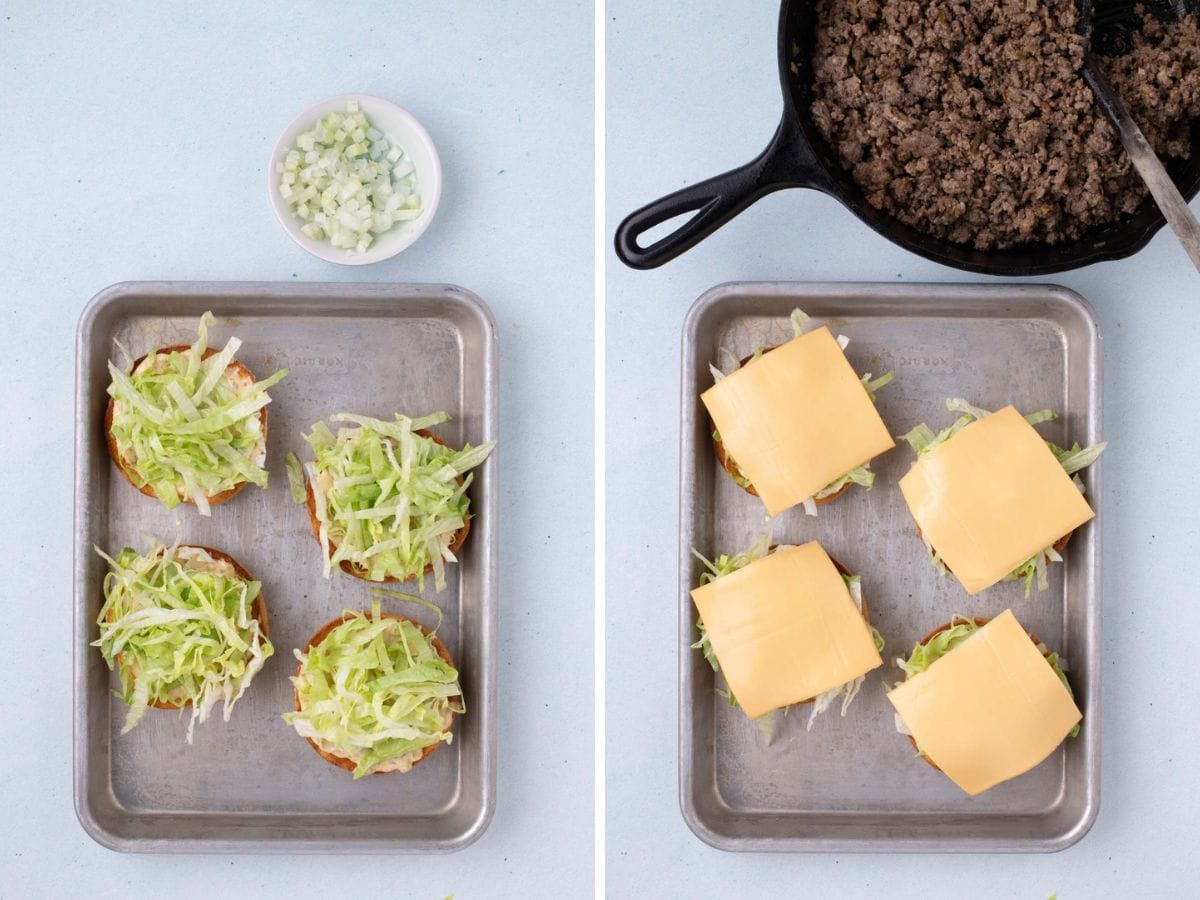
(853, 783)
(252, 784)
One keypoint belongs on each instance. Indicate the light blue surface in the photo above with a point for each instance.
(134, 148)
(693, 91)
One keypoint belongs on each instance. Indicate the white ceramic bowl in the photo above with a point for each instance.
(416, 143)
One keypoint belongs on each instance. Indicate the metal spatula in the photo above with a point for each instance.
(1174, 208)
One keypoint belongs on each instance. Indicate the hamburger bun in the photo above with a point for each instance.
(979, 621)
(258, 609)
(238, 371)
(343, 762)
(729, 464)
(456, 541)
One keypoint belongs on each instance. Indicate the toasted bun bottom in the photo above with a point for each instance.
(350, 568)
(340, 761)
(258, 609)
(978, 620)
(125, 469)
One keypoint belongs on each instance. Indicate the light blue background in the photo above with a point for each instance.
(134, 147)
(693, 91)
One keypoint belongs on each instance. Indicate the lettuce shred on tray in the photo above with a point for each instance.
(727, 564)
(862, 475)
(177, 625)
(185, 427)
(389, 500)
(961, 628)
(923, 440)
(295, 474)
(375, 691)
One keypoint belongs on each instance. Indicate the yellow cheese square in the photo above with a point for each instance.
(785, 629)
(991, 497)
(796, 419)
(989, 710)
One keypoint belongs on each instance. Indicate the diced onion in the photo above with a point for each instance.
(348, 182)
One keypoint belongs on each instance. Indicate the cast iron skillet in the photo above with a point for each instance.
(799, 157)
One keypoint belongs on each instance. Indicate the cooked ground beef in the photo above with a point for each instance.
(970, 119)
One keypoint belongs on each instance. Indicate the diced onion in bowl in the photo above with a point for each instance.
(348, 181)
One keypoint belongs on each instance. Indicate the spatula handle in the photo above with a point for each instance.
(1174, 208)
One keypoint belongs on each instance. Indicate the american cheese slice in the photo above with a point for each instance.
(991, 497)
(785, 629)
(990, 709)
(796, 419)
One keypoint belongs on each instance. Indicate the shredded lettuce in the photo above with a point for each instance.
(847, 692)
(800, 321)
(389, 500)
(379, 594)
(177, 625)
(925, 655)
(376, 692)
(862, 476)
(1033, 569)
(874, 384)
(961, 628)
(726, 565)
(184, 428)
(1076, 458)
(295, 474)
(923, 441)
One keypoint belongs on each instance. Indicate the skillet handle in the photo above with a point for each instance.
(714, 203)
(787, 162)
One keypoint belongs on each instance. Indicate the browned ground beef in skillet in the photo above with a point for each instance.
(969, 119)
